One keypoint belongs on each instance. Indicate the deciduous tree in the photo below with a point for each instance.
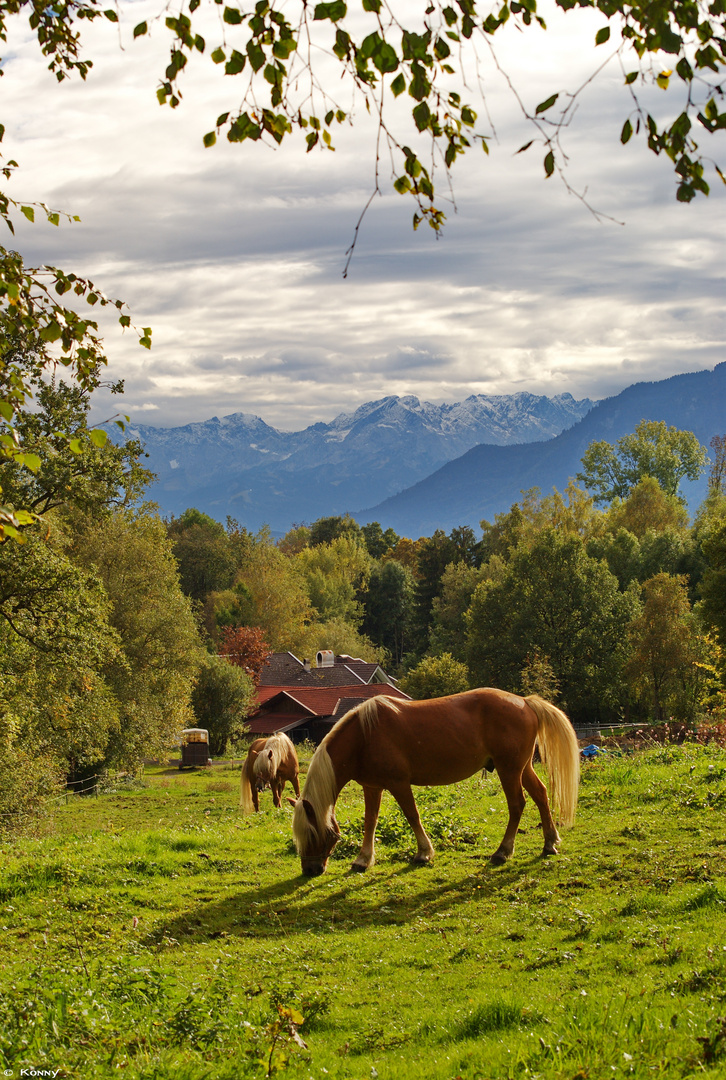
(436, 676)
(553, 599)
(664, 453)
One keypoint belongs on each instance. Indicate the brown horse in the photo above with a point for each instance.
(270, 761)
(387, 744)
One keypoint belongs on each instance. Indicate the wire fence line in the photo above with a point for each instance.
(73, 787)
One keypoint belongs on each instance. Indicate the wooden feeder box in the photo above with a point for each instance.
(195, 747)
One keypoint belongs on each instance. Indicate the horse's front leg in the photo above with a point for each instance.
(276, 786)
(366, 856)
(511, 781)
(404, 797)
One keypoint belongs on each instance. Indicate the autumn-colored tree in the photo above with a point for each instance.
(538, 677)
(717, 475)
(245, 647)
(274, 595)
(647, 507)
(570, 512)
(669, 668)
(406, 552)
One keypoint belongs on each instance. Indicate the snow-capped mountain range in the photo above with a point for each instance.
(240, 466)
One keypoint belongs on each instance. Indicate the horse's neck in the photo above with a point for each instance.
(344, 751)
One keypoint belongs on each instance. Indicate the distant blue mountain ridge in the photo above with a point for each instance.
(242, 467)
(487, 479)
(412, 465)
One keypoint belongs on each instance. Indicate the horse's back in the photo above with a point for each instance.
(444, 740)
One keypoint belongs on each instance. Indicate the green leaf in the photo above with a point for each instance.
(75, 445)
(111, 15)
(218, 56)
(6, 410)
(402, 184)
(631, 77)
(398, 85)
(421, 115)
(525, 147)
(626, 133)
(141, 29)
(684, 69)
(98, 437)
(29, 212)
(256, 54)
(385, 58)
(372, 5)
(334, 11)
(235, 64)
(545, 105)
(549, 164)
(232, 16)
(284, 47)
(210, 139)
(51, 332)
(602, 35)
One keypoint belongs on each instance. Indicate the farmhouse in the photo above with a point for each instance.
(305, 702)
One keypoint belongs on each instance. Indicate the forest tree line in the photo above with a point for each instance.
(118, 629)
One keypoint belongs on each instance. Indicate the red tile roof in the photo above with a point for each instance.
(318, 702)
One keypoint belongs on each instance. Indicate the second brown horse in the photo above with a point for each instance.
(270, 761)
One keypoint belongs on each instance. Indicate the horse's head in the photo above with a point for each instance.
(314, 840)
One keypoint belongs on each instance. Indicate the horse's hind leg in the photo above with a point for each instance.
(511, 781)
(538, 791)
(366, 856)
(404, 797)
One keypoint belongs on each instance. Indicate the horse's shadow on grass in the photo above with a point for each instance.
(334, 901)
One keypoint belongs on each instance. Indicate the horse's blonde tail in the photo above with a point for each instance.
(560, 753)
(245, 792)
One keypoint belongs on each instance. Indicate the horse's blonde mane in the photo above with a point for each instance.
(320, 792)
(320, 785)
(267, 767)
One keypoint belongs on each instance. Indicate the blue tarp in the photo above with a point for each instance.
(591, 751)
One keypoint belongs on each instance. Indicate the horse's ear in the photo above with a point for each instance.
(269, 754)
(336, 826)
(293, 802)
(310, 813)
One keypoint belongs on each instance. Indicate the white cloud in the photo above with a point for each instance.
(234, 255)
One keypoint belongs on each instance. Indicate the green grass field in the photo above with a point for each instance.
(154, 932)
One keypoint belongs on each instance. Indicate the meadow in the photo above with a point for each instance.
(154, 932)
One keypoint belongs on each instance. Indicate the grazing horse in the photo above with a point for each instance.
(387, 744)
(270, 761)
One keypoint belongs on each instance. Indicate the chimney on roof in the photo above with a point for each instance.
(325, 658)
(306, 665)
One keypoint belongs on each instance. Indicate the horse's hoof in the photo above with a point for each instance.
(549, 851)
(421, 860)
(497, 859)
(359, 868)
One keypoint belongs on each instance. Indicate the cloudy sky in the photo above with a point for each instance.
(234, 255)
